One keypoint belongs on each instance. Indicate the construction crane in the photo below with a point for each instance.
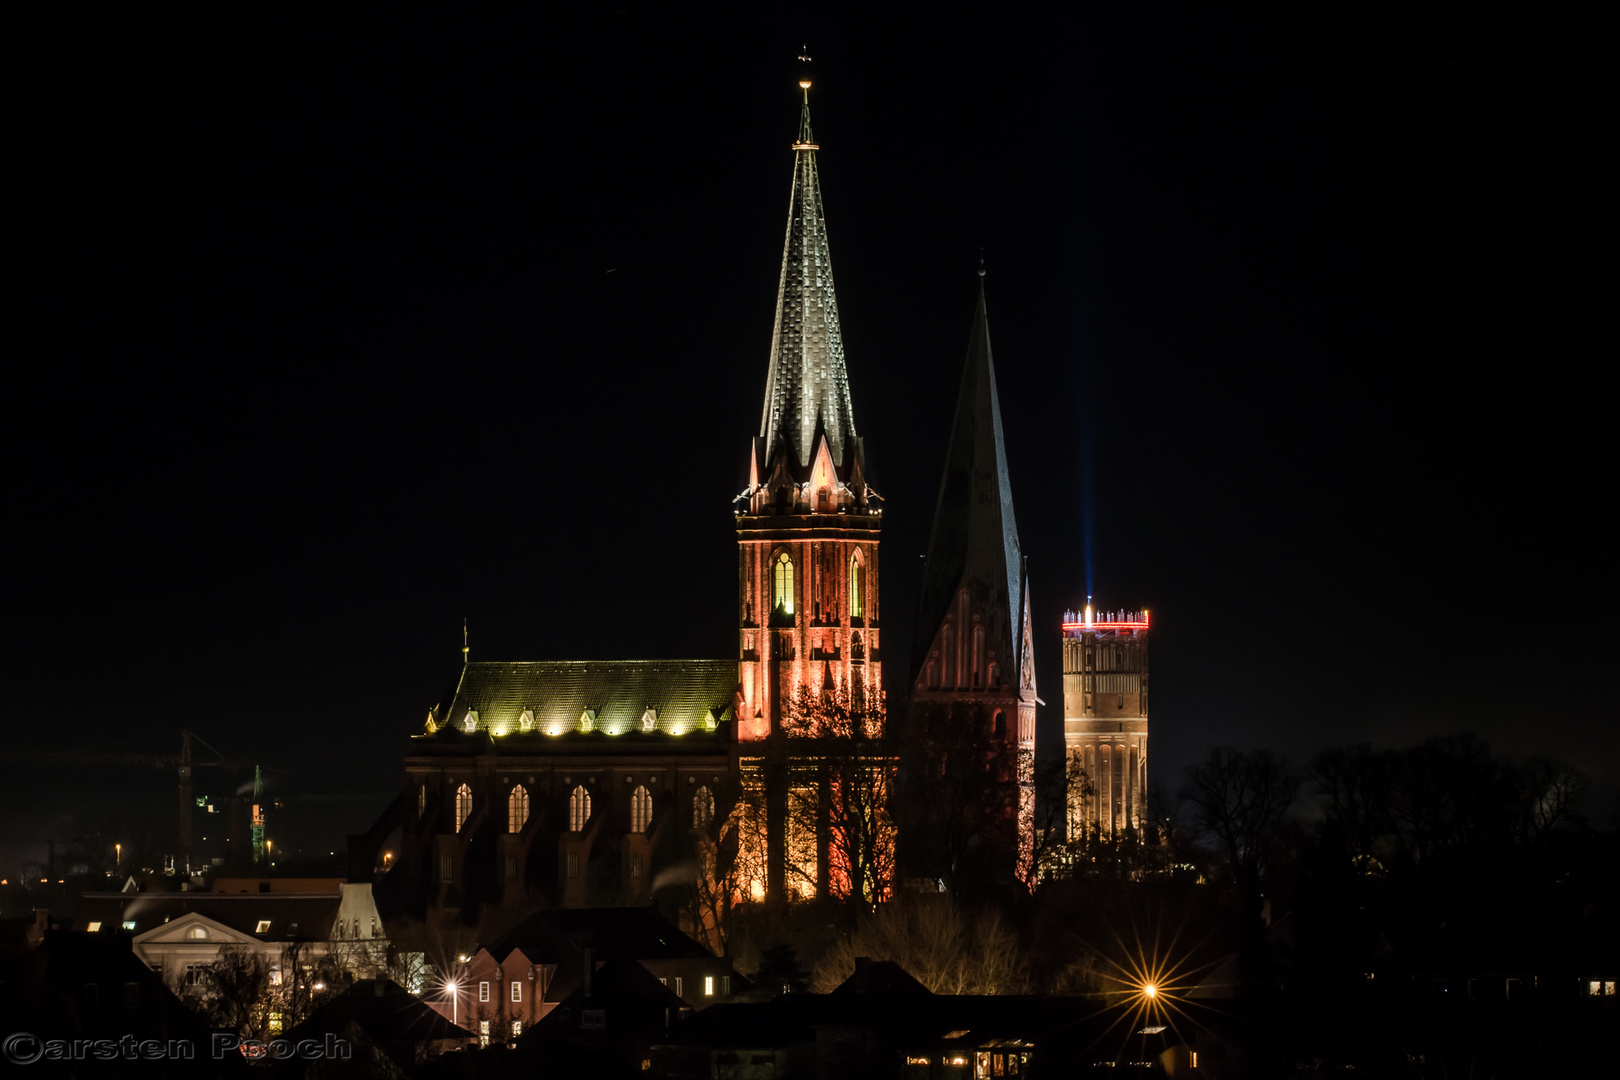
(184, 763)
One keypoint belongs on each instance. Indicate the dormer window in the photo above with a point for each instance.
(587, 720)
(470, 721)
(263, 927)
(526, 721)
(649, 719)
(196, 933)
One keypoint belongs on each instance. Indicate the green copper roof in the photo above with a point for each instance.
(616, 695)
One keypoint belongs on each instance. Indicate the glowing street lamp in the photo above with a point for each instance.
(118, 858)
(455, 1002)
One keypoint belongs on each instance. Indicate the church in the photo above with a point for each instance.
(780, 774)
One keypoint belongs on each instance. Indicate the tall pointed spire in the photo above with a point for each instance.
(974, 541)
(806, 385)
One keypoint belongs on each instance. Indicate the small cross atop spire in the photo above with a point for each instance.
(464, 649)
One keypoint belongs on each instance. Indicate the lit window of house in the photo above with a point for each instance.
(463, 805)
(702, 808)
(517, 991)
(95, 925)
(263, 927)
(708, 986)
(517, 1028)
(857, 585)
(196, 933)
(128, 924)
(483, 991)
(483, 1033)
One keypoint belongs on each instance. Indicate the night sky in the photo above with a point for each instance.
(329, 333)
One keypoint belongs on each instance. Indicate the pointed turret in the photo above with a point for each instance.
(974, 541)
(806, 385)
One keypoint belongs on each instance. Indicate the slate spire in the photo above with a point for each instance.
(974, 540)
(806, 384)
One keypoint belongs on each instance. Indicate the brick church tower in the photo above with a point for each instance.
(807, 527)
(972, 694)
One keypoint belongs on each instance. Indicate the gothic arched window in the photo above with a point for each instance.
(978, 653)
(857, 585)
(640, 810)
(463, 805)
(517, 809)
(702, 808)
(782, 584)
(579, 809)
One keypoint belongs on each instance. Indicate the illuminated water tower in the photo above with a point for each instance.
(1105, 718)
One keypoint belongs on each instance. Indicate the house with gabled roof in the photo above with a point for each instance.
(177, 934)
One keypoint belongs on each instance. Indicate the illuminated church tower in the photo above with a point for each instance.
(807, 526)
(1105, 719)
(972, 698)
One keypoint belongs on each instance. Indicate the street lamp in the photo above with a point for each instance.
(455, 1001)
(118, 858)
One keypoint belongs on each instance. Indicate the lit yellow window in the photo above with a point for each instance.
(463, 805)
(857, 586)
(517, 809)
(782, 584)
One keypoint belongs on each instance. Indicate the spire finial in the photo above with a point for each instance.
(464, 649)
(981, 262)
(804, 77)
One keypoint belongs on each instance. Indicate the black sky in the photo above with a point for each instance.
(332, 331)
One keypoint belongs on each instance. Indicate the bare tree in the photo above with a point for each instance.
(937, 942)
(234, 992)
(841, 783)
(712, 879)
(1549, 792)
(1240, 802)
(1358, 783)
